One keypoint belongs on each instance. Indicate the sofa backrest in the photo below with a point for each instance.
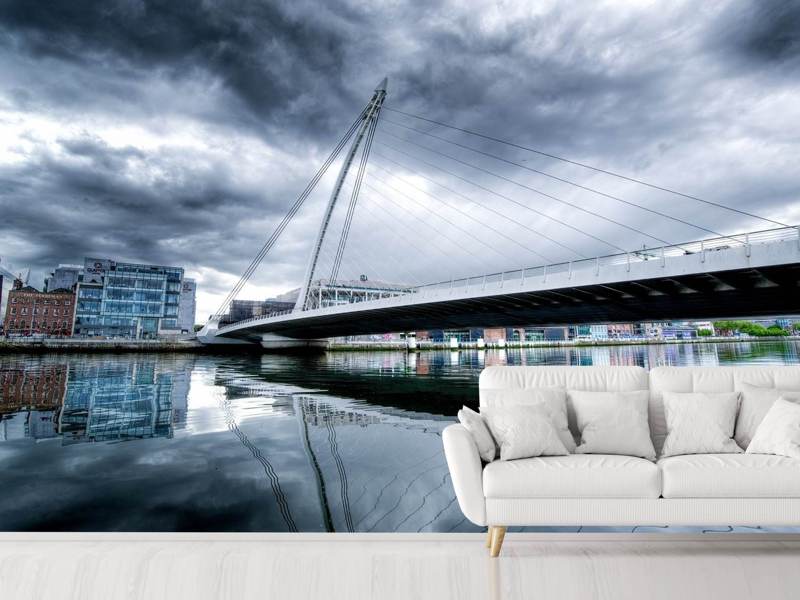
(591, 379)
(711, 379)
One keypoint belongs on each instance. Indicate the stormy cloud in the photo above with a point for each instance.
(180, 132)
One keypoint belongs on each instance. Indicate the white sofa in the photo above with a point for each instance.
(595, 489)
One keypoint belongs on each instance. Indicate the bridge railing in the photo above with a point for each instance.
(542, 272)
(501, 279)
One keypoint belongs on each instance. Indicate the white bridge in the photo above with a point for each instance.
(722, 276)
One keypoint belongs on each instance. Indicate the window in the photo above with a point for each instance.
(45, 311)
(13, 301)
(55, 311)
(66, 302)
(14, 310)
(64, 324)
(36, 310)
(24, 311)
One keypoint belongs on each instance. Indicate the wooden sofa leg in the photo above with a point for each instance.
(498, 534)
(489, 534)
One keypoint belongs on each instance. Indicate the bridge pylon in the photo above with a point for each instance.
(365, 131)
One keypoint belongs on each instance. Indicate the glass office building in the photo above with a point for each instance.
(116, 299)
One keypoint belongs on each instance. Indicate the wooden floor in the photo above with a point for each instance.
(389, 566)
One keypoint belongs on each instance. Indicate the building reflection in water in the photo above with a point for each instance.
(103, 400)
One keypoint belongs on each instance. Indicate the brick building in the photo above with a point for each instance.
(31, 312)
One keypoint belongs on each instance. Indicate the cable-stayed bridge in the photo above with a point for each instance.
(440, 201)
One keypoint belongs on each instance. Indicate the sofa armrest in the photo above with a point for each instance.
(466, 471)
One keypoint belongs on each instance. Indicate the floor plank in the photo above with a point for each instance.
(386, 566)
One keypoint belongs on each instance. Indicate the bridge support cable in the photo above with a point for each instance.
(592, 168)
(449, 222)
(468, 199)
(392, 229)
(298, 203)
(437, 233)
(483, 224)
(369, 114)
(554, 177)
(513, 201)
(550, 196)
(337, 262)
(425, 241)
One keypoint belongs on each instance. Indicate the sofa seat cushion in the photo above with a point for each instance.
(730, 476)
(573, 476)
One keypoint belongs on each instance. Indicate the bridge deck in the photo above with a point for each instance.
(750, 275)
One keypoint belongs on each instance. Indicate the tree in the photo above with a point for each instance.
(705, 332)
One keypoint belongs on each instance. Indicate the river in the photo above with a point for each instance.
(343, 441)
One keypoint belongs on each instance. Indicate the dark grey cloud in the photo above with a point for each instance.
(179, 132)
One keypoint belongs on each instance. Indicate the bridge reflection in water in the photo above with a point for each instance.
(331, 442)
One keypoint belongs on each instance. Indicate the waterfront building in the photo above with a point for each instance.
(187, 306)
(31, 312)
(117, 299)
(63, 277)
(324, 293)
(621, 330)
(598, 331)
(247, 309)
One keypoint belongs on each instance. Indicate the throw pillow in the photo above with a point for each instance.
(613, 423)
(523, 431)
(779, 431)
(700, 423)
(475, 424)
(756, 402)
(554, 400)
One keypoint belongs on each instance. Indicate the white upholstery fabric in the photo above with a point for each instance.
(779, 432)
(756, 402)
(592, 379)
(477, 427)
(613, 423)
(711, 379)
(523, 431)
(643, 511)
(573, 476)
(465, 471)
(730, 476)
(700, 423)
(553, 399)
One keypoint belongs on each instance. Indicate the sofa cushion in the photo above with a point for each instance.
(756, 403)
(613, 423)
(730, 476)
(779, 432)
(711, 379)
(552, 399)
(700, 423)
(573, 476)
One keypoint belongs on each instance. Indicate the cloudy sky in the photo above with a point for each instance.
(180, 132)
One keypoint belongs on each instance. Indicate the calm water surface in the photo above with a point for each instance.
(334, 442)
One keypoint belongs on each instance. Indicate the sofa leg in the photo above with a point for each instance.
(498, 534)
(489, 534)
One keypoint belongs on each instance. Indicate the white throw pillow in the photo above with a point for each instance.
(613, 423)
(553, 399)
(756, 402)
(700, 423)
(475, 424)
(523, 431)
(779, 431)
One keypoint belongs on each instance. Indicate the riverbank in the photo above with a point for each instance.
(425, 345)
(88, 345)
(57, 345)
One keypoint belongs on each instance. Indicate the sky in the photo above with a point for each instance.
(180, 133)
